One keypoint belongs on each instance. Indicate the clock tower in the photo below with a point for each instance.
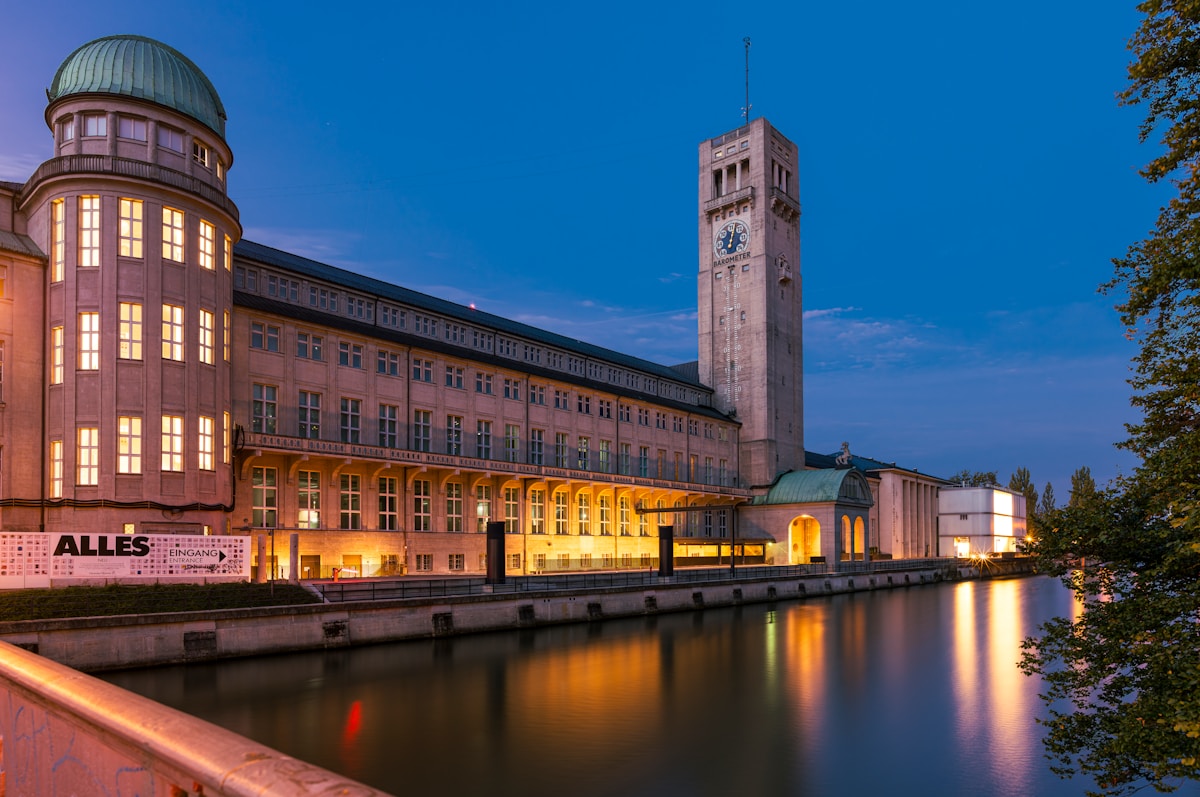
(749, 294)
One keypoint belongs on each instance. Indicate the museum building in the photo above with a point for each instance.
(161, 375)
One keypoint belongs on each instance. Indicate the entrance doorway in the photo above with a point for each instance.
(804, 541)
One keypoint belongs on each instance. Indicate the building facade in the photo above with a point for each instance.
(158, 374)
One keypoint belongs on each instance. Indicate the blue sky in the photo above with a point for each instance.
(966, 177)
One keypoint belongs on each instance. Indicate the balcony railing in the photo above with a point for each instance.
(731, 198)
(128, 167)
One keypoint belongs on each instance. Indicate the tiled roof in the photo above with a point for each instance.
(260, 253)
(21, 244)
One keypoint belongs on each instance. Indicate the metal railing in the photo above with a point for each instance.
(410, 587)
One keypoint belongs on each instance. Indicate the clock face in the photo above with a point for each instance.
(732, 238)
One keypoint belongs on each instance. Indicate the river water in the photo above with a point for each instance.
(912, 691)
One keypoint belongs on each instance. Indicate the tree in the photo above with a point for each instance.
(1083, 486)
(1123, 681)
(1048, 504)
(1021, 482)
(978, 478)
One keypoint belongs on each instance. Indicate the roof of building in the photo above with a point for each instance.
(814, 460)
(21, 244)
(264, 254)
(844, 485)
(689, 370)
(135, 66)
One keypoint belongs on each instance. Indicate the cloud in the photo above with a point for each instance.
(325, 246)
(18, 168)
(672, 277)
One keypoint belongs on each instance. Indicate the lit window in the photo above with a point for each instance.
(129, 444)
(58, 246)
(172, 235)
(87, 471)
(89, 231)
(225, 339)
(220, 169)
(308, 499)
(225, 438)
(228, 253)
(206, 337)
(89, 341)
(172, 332)
(208, 243)
(483, 507)
(128, 127)
(205, 443)
(130, 230)
(56, 355)
(172, 442)
(560, 512)
(200, 154)
(56, 469)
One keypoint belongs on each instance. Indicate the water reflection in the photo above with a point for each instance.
(913, 691)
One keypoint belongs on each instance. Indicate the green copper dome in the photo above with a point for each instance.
(135, 66)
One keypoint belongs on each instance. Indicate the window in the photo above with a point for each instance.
(660, 420)
(537, 395)
(208, 245)
(561, 399)
(56, 469)
(512, 509)
(605, 516)
(422, 370)
(205, 443)
(58, 244)
(643, 461)
(170, 138)
(693, 427)
(537, 511)
(308, 499)
(309, 407)
(422, 490)
(389, 503)
(388, 418)
(536, 446)
(200, 154)
(129, 331)
(643, 524)
(560, 512)
(483, 439)
(454, 426)
(584, 404)
(309, 346)
(457, 561)
(423, 562)
(561, 447)
(351, 502)
(87, 469)
(483, 383)
(422, 430)
(514, 561)
(512, 442)
(539, 561)
(67, 128)
(583, 507)
(351, 420)
(172, 332)
(604, 408)
(264, 336)
(483, 507)
(623, 412)
(172, 442)
(56, 355)
(512, 389)
(387, 363)
(206, 337)
(128, 127)
(225, 429)
(262, 409)
(454, 377)
(225, 338)
(350, 355)
(584, 457)
(89, 341)
(129, 444)
(172, 234)
(605, 463)
(454, 506)
(623, 515)
(228, 253)
(263, 498)
(89, 231)
(643, 417)
(129, 233)
(95, 124)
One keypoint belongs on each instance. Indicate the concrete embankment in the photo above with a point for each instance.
(107, 643)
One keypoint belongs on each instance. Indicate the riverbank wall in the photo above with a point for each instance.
(96, 644)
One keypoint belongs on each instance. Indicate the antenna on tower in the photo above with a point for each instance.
(746, 109)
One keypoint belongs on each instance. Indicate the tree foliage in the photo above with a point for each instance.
(974, 478)
(1021, 482)
(1083, 486)
(1048, 505)
(1123, 678)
